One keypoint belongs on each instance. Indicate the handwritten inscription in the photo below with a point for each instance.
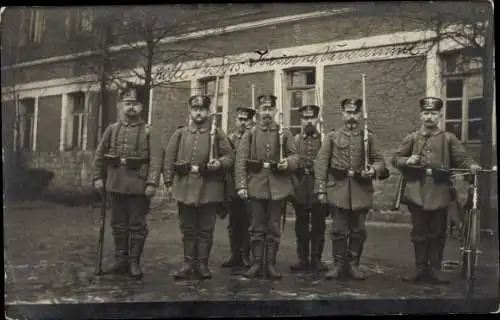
(181, 72)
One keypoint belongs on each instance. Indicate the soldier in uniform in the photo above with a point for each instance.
(122, 166)
(424, 158)
(307, 207)
(265, 179)
(197, 184)
(349, 191)
(239, 217)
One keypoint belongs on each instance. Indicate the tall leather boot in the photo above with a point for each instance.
(317, 245)
(420, 274)
(234, 245)
(302, 254)
(255, 268)
(339, 253)
(120, 265)
(272, 252)
(434, 257)
(189, 258)
(135, 251)
(204, 248)
(245, 250)
(355, 250)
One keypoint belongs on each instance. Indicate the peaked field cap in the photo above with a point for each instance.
(131, 92)
(199, 101)
(245, 112)
(310, 110)
(351, 104)
(431, 104)
(267, 100)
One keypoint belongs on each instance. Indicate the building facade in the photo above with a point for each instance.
(306, 56)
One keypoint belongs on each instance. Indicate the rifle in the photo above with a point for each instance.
(281, 134)
(100, 240)
(213, 125)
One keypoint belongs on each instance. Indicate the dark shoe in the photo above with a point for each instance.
(302, 265)
(120, 266)
(255, 268)
(317, 245)
(272, 252)
(420, 251)
(436, 277)
(335, 272)
(354, 272)
(233, 262)
(419, 276)
(435, 250)
(303, 255)
(273, 273)
(246, 262)
(204, 271)
(318, 266)
(184, 273)
(134, 255)
(135, 270)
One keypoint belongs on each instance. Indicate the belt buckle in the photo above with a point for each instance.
(195, 169)
(350, 173)
(307, 171)
(266, 165)
(428, 172)
(123, 161)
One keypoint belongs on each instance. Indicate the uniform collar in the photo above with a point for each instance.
(426, 132)
(202, 128)
(271, 127)
(348, 132)
(127, 123)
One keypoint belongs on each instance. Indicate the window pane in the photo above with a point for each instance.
(454, 88)
(476, 107)
(450, 62)
(475, 130)
(28, 105)
(455, 127)
(296, 99)
(78, 102)
(294, 117)
(454, 109)
(302, 78)
(474, 86)
(28, 126)
(76, 130)
(219, 109)
(310, 97)
(295, 130)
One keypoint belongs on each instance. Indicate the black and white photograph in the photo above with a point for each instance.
(251, 159)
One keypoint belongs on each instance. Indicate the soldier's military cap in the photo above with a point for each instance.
(267, 100)
(131, 92)
(309, 111)
(351, 105)
(431, 104)
(245, 113)
(199, 101)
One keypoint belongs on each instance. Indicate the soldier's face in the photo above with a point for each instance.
(131, 108)
(242, 123)
(198, 114)
(351, 118)
(430, 119)
(309, 121)
(267, 113)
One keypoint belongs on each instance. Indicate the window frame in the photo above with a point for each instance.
(72, 112)
(202, 85)
(24, 117)
(290, 89)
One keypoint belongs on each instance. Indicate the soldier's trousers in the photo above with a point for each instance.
(128, 223)
(428, 235)
(239, 223)
(310, 238)
(265, 220)
(197, 225)
(348, 232)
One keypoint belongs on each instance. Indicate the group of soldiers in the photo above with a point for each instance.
(253, 173)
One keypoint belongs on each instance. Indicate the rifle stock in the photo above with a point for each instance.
(399, 194)
(100, 240)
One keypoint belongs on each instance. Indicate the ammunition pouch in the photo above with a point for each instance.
(255, 166)
(413, 173)
(184, 168)
(301, 172)
(132, 163)
(439, 175)
(384, 174)
(342, 174)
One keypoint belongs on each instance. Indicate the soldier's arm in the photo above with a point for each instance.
(376, 158)
(170, 157)
(296, 141)
(102, 148)
(155, 158)
(459, 153)
(226, 151)
(321, 164)
(291, 154)
(240, 164)
(403, 152)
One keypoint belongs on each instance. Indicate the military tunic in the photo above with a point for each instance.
(343, 149)
(307, 148)
(439, 151)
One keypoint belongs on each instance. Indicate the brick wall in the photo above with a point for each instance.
(240, 91)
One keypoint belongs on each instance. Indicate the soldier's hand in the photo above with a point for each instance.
(283, 164)
(413, 160)
(475, 168)
(322, 198)
(213, 164)
(370, 173)
(99, 184)
(243, 193)
(150, 191)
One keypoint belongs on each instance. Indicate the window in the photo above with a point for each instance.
(463, 92)
(208, 88)
(301, 90)
(26, 123)
(75, 121)
(32, 26)
(79, 21)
